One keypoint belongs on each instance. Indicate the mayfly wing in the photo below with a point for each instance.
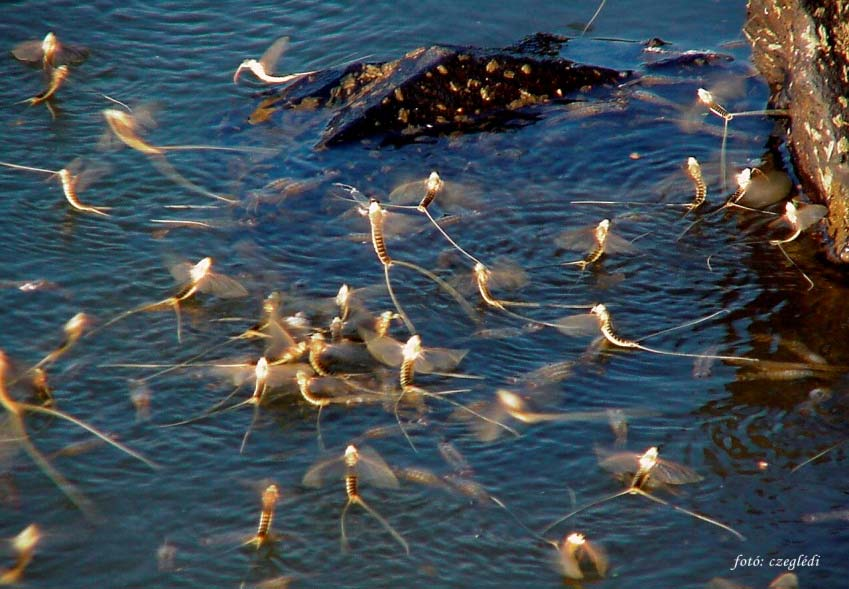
(272, 55)
(384, 349)
(618, 463)
(182, 272)
(71, 55)
(615, 244)
(280, 375)
(408, 193)
(87, 173)
(673, 473)
(29, 51)
(505, 274)
(766, 189)
(439, 360)
(221, 286)
(567, 562)
(807, 215)
(579, 324)
(372, 468)
(324, 470)
(576, 239)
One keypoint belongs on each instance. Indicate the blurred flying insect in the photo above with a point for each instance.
(129, 128)
(519, 409)
(49, 53)
(73, 328)
(57, 80)
(24, 545)
(357, 465)
(16, 433)
(192, 279)
(578, 558)
(648, 470)
(266, 64)
(74, 178)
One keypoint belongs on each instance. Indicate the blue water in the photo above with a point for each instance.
(179, 58)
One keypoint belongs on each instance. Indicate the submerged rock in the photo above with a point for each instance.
(441, 89)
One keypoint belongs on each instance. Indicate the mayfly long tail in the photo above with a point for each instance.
(386, 525)
(584, 508)
(170, 172)
(464, 304)
(704, 518)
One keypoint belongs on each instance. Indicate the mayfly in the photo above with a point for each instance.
(800, 217)
(263, 66)
(648, 469)
(263, 535)
(57, 79)
(694, 171)
(15, 412)
(49, 53)
(429, 190)
(358, 465)
(261, 385)
(578, 558)
(74, 178)
(192, 278)
(517, 408)
(74, 328)
(756, 190)
(323, 391)
(24, 545)
(603, 242)
(583, 323)
(412, 354)
(707, 98)
(129, 128)
(376, 218)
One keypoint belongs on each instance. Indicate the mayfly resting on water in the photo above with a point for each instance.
(583, 324)
(648, 471)
(357, 465)
(604, 242)
(49, 53)
(192, 278)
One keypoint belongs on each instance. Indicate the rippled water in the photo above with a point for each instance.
(181, 57)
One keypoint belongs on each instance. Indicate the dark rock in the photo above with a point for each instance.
(802, 49)
(440, 89)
